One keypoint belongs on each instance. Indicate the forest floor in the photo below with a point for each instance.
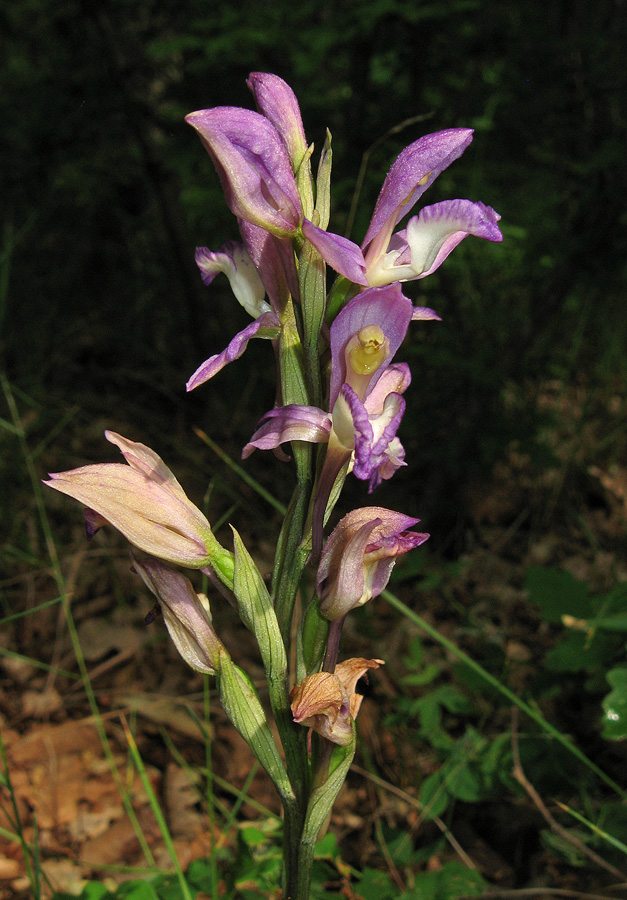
(67, 787)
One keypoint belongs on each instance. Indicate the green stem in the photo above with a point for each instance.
(291, 558)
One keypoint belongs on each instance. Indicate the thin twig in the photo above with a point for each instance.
(535, 798)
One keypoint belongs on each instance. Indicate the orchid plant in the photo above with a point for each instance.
(338, 387)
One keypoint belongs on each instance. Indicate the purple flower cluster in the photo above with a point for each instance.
(256, 155)
(263, 162)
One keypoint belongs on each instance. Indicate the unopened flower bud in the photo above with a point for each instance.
(186, 614)
(147, 504)
(359, 556)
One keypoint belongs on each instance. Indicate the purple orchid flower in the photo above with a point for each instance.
(263, 263)
(233, 259)
(252, 159)
(327, 702)
(359, 556)
(365, 401)
(422, 247)
(365, 396)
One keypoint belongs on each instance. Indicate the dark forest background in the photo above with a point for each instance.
(106, 192)
(515, 430)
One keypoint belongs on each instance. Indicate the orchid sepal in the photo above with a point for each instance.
(253, 166)
(266, 326)
(413, 171)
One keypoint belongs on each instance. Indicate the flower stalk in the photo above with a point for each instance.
(340, 388)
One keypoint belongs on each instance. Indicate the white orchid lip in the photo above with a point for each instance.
(233, 260)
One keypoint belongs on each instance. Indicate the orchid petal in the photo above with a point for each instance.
(423, 313)
(236, 347)
(414, 170)
(339, 252)
(289, 423)
(234, 261)
(277, 102)
(438, 229)
(372, 435)
(253, 166)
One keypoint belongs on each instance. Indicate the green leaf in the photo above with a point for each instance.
(452, 880)
(558, 594)
(322, 798)
(376, 885)
(578, 651)
(136, 890)
(94, 891)
(433, 795)
(256, 610)
(243, 708)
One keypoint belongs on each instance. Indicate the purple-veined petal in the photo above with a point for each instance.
(422, 247)
(438, 229)
(236, 347)
(372, 435)
(423, 313)
(339, 252)
(386, 307)
(233, 259)
(395, 380)
(253, 166)
(277, 102)
(414, 170)
(289, 423)
(385, 454)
